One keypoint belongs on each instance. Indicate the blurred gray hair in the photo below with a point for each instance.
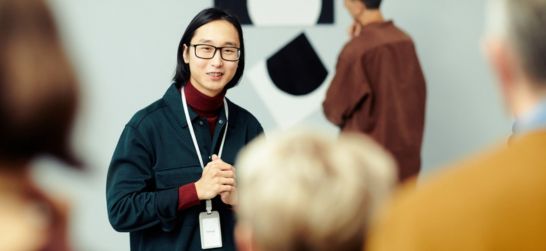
(523, 23)
(302, 190)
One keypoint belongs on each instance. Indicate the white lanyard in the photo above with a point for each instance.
(194, 139)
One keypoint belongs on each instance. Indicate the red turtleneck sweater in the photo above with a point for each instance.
(209, 109)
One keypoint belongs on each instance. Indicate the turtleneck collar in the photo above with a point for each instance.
(201, 103)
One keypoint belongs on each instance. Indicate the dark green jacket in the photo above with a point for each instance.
(154, 157)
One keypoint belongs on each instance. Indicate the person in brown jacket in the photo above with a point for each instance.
(379, 88)
(496, 200)
(38, 101)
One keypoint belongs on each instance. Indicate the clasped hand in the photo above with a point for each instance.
(218, 178)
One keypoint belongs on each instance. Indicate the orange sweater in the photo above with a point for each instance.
(496, 201)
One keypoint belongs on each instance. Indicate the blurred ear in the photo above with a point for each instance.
(502, 63)
(243, 238)
(186, 54)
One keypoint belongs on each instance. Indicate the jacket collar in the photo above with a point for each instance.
(173, 100)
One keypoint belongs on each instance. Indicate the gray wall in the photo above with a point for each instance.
(124, 52)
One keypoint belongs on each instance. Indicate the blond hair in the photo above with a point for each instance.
(302, 190)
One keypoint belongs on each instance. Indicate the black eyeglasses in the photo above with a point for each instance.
(206, 51)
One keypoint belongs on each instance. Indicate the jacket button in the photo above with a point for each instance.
(220, 122)
(200, 122)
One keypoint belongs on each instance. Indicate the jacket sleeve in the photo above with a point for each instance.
(133, 203)
(348, 91)
(255, 129)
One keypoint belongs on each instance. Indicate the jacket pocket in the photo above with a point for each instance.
(176, 177)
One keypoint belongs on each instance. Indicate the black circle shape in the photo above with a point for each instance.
(296, 69)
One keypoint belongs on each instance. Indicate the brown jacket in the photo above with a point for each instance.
(379, 89)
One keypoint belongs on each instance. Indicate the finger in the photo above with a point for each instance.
(351, 30)
(225, 188)
(358, 30)
(224, 166)
(226, 174)
(216, 159)
(211, 171)
(219, 166)
(227, 181)
(210, 165)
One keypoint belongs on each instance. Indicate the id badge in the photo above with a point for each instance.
(209, 227)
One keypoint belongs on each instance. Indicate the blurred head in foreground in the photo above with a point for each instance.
(301, 190)
(38, 89)
(38, 101)
(515, 47)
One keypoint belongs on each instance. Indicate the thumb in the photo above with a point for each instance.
(215, 157)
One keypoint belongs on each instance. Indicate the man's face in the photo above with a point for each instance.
(211, 75)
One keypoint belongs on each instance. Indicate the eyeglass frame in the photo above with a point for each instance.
(215, 50)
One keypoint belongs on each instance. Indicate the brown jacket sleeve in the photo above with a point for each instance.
(348, 90)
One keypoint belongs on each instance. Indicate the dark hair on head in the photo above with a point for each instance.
(38, 88)
(372, 4)
(182, 74)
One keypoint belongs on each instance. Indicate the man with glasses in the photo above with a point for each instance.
(171, 183)
(379, 88)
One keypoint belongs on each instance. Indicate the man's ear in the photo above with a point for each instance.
(503, 63)
(244, 238)
(186, 54)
